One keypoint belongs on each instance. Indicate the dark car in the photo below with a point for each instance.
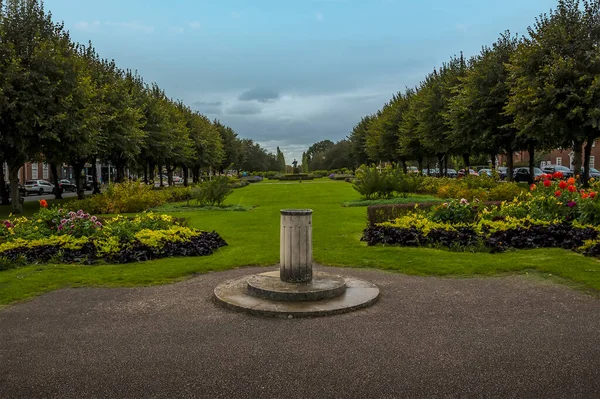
(593, 172)
(67, 185)
(522, 174)
(452, 173)
(502, 172)
(551, 169)
(21, 190)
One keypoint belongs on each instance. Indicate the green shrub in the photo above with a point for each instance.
(372, 183)
(212, 192)
(129, 197)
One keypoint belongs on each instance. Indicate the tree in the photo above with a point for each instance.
(554, 79)
(28, 64)
(357, 140)
(281, 161)
(232, 147)
(476, 113)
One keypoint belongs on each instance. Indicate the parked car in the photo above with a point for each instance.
(412, 169)
(66, 185)
(485, 172)
(22, 190)
(502, 172)
(452, 173)
(431, 172)
(595, 173)
(40, 187)
(177, 179)
(88, 182)
(522, 174)
(461, 173)
(550, 169)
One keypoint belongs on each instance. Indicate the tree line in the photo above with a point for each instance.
(536, 92)
(60, 102)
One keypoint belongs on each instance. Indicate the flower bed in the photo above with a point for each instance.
(554, 214)
(59, 236)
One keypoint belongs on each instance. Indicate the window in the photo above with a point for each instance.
(45, 171)
(34, 170)
(559, 161)
(592, 161)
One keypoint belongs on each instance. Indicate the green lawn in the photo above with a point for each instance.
(253, 238)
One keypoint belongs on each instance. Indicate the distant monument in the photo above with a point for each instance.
(295, 169)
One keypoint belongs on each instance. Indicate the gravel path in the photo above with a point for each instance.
(426, 337)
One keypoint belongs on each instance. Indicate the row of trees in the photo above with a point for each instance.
(60, 102)
(533, 93)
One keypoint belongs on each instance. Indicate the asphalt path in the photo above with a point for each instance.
(34, 197)
(513, 337)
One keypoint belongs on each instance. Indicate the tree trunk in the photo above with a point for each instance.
(493, 161)
(4, 196)
(466, 161)
(196, 174)
(404, 167)
(587, 157)
(57, 189)
(420, 163)
(510, 164)
(186, 171)
(440, 158)
(170, 175)
(77, 169)
(445, 165)
(146, 174)
(95, 183)
(577, 145)
(531, 151)
(160, 176)
(15, 194)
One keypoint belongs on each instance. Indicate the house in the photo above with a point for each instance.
(31, 171)
(564, 157)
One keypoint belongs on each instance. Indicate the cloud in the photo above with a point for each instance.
(261, 95)
(320, 17)
(133, 26)
(87, 26)
(176, 29)
(236, 15)
(244, 109)
(208, 107)
(194, 25)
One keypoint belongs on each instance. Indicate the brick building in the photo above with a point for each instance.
(31, 171)
(562, 157)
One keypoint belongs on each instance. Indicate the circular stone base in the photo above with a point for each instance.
(269, 286)
(233, 294)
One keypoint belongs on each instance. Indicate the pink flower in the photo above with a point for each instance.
(93, 218)
(463, 201)
(571, 204)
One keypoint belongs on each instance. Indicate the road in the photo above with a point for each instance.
(35, 197)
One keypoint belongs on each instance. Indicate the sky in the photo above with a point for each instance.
(289, 73)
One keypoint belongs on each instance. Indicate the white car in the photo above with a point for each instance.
(177, 179)
(40, 187)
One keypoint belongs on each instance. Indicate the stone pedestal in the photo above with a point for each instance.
(295, 246)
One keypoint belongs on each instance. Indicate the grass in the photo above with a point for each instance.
(190, 207)
(411, 199)
(253, 238)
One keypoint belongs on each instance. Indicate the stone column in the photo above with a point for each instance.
(295, 246)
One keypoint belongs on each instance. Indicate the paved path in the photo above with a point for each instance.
(426, 337)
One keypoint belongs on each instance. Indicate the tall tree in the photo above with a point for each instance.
(554, 77)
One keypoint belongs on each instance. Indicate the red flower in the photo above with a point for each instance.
(558, 175)
(532, 187)
(571, 181)
(592, 195)
(44, 204)
(584, 195)
(547, 183)
(557, 193)
(572, 189)
(563, 184)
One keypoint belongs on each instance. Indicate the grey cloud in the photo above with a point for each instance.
(208, 107)
(262, 95)
(244, 109)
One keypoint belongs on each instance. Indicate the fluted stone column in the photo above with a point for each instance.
(295, 246)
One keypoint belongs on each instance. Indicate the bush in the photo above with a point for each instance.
(372, 183)
(212, 192)
(129, 197)
(296, 176)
